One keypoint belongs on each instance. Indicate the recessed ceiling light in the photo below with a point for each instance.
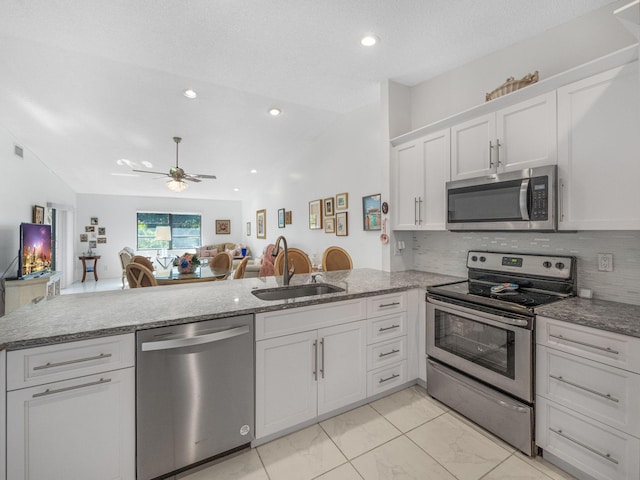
(236, 189)
(190, 93)
(254, 171)
(274, 112)
(369, 40)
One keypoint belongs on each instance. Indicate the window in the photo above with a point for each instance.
(185, 231)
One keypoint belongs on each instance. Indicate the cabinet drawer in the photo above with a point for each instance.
(599, 391)
(592, 447)
(52, 363)
(386, 304)
(386, 353)
(613, 349)
(385, 378)
(386, 328)
(296, 320)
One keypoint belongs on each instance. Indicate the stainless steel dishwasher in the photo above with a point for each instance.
(195, 393)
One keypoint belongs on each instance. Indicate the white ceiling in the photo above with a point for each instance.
(84, 83)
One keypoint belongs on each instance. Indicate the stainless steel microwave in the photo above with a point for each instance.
(521, 200)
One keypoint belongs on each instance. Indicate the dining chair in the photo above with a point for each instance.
(139, 259)
(140, 276)
(336, 258)
(125, 255)
(297, 257)
(239, 273)
(222, 262)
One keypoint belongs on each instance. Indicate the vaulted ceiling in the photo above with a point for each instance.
(94, 88)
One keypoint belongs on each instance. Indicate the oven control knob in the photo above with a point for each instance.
(559, 265)
(474, 259)
(547, 264)
(483, 259)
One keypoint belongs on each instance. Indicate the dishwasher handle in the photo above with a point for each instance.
(194, 340)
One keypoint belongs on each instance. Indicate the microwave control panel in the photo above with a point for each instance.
(539, 188)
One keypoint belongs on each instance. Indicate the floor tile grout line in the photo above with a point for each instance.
(427, 453)
(264, 467)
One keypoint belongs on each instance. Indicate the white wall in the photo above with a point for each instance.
(26, 182)
(554, 51)
(345, 158)
(118, 215)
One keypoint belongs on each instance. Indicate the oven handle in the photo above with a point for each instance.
(516, 322)
(502, 403)
(524, 196)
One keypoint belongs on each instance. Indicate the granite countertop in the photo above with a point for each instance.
(66, 318)
(614, 317)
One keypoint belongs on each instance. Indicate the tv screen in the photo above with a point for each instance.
(35, 250)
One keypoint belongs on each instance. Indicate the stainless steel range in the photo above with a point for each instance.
(480, 340)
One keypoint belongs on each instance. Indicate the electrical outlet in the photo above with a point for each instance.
(605, 262)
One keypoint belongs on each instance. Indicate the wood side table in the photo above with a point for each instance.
(90, 268)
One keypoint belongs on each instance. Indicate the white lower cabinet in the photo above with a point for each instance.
(76, 426)
(303, 375)
(587, 389)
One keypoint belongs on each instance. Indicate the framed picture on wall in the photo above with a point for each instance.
(261, 224)
(94, 220)
(315, 214)
(342, 224)
(223, 227)
(281, 221)
(102, 230)
(330, 225)
(38, 214)
(371, 212)
(342, 201)
(287, 218)
(328, 207)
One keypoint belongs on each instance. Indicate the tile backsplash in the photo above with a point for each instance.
(446, 252)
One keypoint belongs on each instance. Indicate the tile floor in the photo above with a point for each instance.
(407, 435)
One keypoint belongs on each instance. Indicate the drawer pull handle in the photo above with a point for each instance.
(384, 329)
(395, 375)
(381, 355)
(385, 305)
(597, 347)
(315, 360)
(587, 447)
(70, 362)
(586, 389)
(74, 387)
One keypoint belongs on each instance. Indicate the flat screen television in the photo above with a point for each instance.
(35, 250)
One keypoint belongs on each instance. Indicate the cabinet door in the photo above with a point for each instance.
(286, 387)
(436, 150)
(471, 147)
(598, 148)
(526, 133)
(79, 428)
(408, 185)
(342, 366)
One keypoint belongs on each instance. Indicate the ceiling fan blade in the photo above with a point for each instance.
(192, 179)
(149, 171)
(198, 175)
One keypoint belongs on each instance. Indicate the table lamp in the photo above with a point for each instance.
(163, 234)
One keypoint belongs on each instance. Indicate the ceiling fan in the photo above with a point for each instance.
(178, 175)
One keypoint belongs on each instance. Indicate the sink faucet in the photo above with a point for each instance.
(286, 273)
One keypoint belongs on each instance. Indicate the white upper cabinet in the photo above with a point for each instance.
(421, 170)
(599, 151)
(513, 138)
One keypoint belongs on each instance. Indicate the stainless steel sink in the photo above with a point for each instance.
(295, 291)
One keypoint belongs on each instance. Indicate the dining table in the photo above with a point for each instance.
(203, 273)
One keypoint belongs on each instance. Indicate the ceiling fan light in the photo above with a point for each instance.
(176, 186)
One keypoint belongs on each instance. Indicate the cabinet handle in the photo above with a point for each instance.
(561, 200)
(607, 349)
(491, 147)
(385, 305)
(498, 152)
(395, 375)
(419, 210)
(381, 355)
(415, 210)
(74, 387)
(587, 447)
(315, 360)
(384, 329)
(322, 355)
(70, 362)
(586, 389)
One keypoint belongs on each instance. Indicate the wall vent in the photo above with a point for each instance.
(18, 151)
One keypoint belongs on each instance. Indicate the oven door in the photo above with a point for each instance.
(492, 348)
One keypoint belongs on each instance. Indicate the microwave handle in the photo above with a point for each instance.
(524, 196)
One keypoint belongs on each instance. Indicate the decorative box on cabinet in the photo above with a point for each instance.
(587, 389)
(75, 416)
(420, 172)
(513, 138)
(598, 145)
